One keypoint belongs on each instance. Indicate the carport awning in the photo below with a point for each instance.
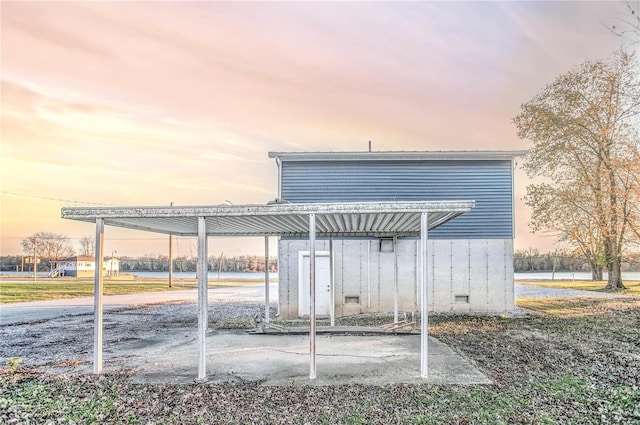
(332, 219)
(310, 220)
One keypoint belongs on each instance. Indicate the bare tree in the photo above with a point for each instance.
(584, 130)
(627, 27)
(87, 246)
(50, 246)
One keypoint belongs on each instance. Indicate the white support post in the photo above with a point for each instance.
(97, 297)
(418, 273)
(312, 296)
(202, 296)
(395, 279)
(266, 280)
(332, 286)
(369, 275)
(424, 315)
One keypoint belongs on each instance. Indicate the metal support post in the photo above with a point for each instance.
(424, 315)
(266, 280)
(369, 275)
(202, 296)
(332, 285)
(395, 279)
(312, 296)
(97, 298)
(170, 261)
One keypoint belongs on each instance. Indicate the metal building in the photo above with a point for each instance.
(471, 258)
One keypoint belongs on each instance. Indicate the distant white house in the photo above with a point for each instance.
(84, 266)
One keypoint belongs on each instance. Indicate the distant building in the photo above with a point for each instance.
(84, 266)
(470, 258)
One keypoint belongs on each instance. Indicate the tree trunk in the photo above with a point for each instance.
(615, 276)
(596, 271)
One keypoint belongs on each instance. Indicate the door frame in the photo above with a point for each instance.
(301, 277)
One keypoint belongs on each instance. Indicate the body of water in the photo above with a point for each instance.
(177, 275)
(212, 275)
(260, 275)
(570, 276)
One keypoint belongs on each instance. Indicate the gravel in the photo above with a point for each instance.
(70, 338)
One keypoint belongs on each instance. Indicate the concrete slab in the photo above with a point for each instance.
(284, 360)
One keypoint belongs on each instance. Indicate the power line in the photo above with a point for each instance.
(69, 201)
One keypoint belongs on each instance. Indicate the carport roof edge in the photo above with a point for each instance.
(286, 219)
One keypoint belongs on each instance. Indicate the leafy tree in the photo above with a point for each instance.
(50, 246)
(584, 129)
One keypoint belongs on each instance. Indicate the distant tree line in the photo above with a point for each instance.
(160, 263)
(532, 260)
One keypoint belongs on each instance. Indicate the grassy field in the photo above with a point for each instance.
(575, 362)
(633, 287)
(24, 290)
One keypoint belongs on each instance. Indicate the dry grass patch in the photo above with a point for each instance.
(13, 291)
(575, 307)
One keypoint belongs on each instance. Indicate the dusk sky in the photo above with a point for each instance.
(146, 103)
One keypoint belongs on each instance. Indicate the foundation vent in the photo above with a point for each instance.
(462, 299)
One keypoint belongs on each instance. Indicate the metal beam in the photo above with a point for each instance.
(424, 315)
(312, 296)
(156, 213)
(396, 156)
(202, 296)
(97, 298)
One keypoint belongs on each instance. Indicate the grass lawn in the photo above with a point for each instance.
(633, 287)
(24, 290)
(578, 362)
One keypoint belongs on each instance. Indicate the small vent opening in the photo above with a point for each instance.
(462, 299)
(352, 300)
(386, 244)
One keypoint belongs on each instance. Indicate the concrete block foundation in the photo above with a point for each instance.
(466, 275)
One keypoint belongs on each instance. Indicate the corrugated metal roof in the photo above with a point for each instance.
(397, 155)
(332, 219)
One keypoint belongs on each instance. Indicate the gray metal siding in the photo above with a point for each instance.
(489, 183)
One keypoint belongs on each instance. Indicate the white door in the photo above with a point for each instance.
(323, 284)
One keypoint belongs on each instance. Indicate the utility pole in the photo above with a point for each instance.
(35, 259)
(170, 260)
(170, 257)
(220, 264)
